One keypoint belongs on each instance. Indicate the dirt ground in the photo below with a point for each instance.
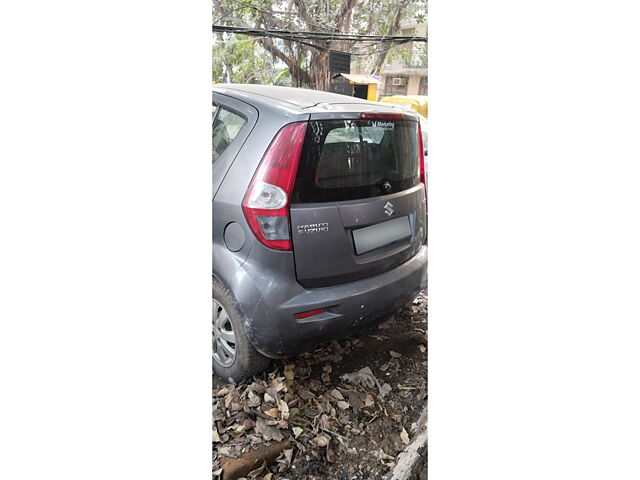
(348, 408)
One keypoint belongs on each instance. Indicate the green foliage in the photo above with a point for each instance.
(246, 60)
(284, 73)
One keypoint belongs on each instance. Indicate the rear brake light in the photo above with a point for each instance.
(309, 314)
(381, 116)
(266, 203)
(421, 161)
(421, 157)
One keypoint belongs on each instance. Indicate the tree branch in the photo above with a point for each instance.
(343, 15)
(393, 29)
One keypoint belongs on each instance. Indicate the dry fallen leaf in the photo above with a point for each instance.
(278, 384)
(343, 405)
(384, 390)
(288, 455)
(284, 409)
(296, 432)
(394, 354)
(268, 432)
(422, 348)
(289, 371)
(368, 400)
(222, 392)
(355, 401)
(335, 393)
(404, 436)
(324, 421)
(379, 454)
(321, 440)
(254, 473)
(238, 428)
(306, 394)
(363, 377)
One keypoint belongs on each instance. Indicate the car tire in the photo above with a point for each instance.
(247, 361)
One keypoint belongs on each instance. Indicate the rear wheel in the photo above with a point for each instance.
(234, 358)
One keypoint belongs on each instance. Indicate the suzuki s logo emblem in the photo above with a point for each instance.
(388, 209)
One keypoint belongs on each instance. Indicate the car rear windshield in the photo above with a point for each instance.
(355, 159)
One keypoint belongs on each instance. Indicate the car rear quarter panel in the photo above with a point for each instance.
(227, 199)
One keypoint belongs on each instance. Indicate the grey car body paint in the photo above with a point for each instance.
(263, 282)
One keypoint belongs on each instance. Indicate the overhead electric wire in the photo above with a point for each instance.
(377, 51)
(319, 36)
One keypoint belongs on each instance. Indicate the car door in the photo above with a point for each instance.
(233, 121)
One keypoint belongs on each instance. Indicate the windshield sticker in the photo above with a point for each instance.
(384, 125)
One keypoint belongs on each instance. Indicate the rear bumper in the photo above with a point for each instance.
(350, 308)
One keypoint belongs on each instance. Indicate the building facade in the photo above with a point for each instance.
(407, 74)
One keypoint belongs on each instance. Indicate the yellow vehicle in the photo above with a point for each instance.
(420, 103)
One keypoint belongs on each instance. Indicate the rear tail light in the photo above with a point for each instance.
(421, 160)
(266, 203)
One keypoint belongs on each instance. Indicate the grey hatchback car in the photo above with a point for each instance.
(319, 220)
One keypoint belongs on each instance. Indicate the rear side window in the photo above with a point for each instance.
(354, 159)
(226, 127)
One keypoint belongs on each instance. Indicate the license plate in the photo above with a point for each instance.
(385, 233)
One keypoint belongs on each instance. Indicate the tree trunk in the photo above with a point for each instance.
(320, 70)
